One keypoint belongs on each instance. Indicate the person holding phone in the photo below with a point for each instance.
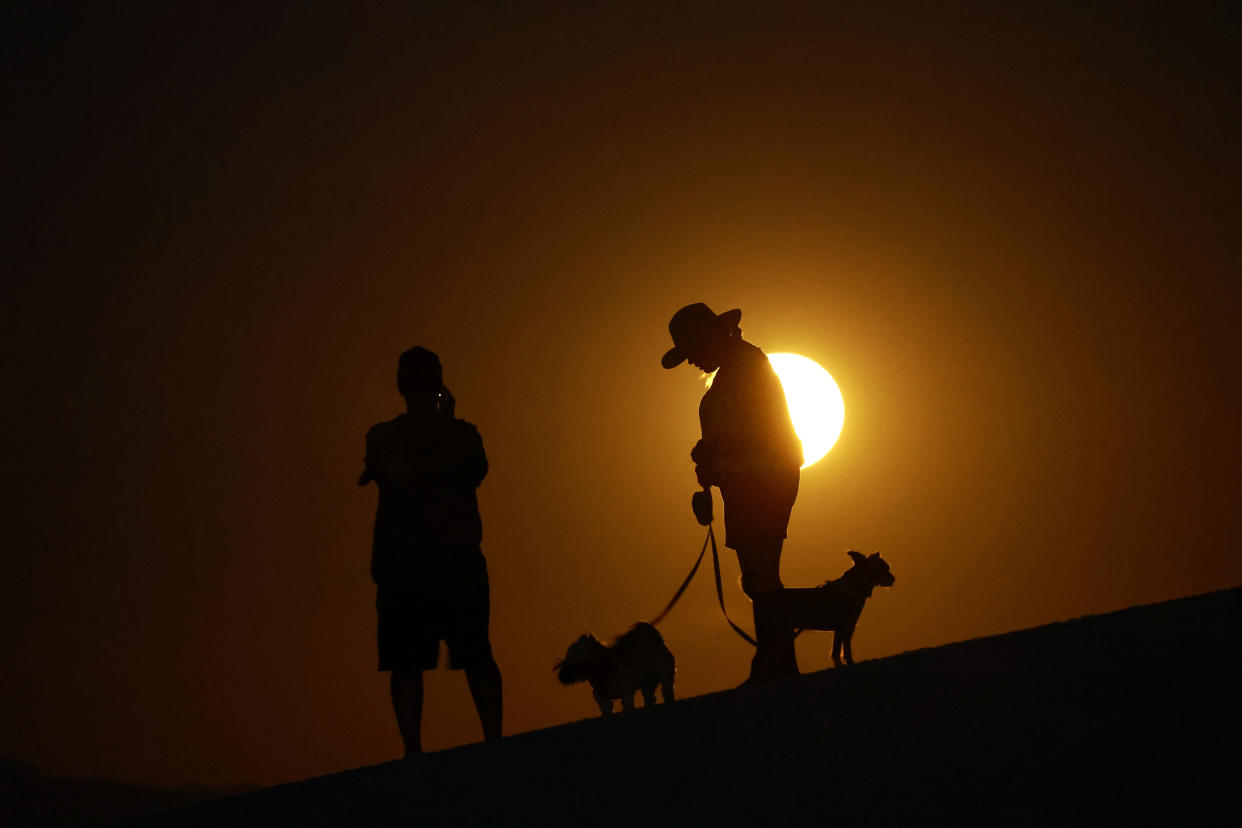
(426, 556)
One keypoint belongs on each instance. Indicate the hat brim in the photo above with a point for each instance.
(672, 358)
(730, 318)
(675, 356)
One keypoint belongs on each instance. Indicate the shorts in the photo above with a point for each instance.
(414, 620)
(757, 506)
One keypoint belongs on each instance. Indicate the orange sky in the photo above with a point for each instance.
(1012, 239)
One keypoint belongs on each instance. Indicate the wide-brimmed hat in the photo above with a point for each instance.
(692, 326)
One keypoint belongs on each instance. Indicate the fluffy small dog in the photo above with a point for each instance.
(835, 605)
(637, 661)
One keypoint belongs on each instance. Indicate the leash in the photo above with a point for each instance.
(709, 540)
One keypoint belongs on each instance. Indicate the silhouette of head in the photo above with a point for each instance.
(580, 660)
(873, 569)
(698, 336)
(418, 373)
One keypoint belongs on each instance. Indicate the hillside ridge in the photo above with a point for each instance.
(1101, 717)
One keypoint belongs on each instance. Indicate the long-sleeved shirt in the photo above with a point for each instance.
(745, 418)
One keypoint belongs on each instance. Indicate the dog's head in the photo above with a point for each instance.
(873, 569)
(580, 660)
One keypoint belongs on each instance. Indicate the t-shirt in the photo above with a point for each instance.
(427, 524)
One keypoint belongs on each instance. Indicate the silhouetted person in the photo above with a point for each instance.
(426, 561)
(751, 452)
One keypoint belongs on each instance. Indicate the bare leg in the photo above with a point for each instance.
(406, 686)
(486, 688)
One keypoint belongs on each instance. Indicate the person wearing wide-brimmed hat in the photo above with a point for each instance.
(750, 451)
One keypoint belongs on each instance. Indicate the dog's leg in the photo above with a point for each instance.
(666, 690)
(837, 640)
(627, 700)
(849, 653)
(649, 695)
(605, 705)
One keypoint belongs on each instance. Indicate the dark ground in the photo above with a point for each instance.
(28, 798)
(1127, 717)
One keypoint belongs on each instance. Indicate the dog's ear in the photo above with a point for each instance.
(856, 555)
(875, 556)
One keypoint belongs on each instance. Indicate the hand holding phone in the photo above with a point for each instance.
(446, 403)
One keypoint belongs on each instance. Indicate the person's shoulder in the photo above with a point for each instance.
(744, 361)
(463, 428)
(756, 361)
(385, 430)
(752, 352)
(386, 425)
(458, 435)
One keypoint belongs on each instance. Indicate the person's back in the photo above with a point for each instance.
(744, 415)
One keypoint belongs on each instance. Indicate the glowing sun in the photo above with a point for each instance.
(814, 401)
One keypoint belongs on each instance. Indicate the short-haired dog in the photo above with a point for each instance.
(637, 661)
(835, 605)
